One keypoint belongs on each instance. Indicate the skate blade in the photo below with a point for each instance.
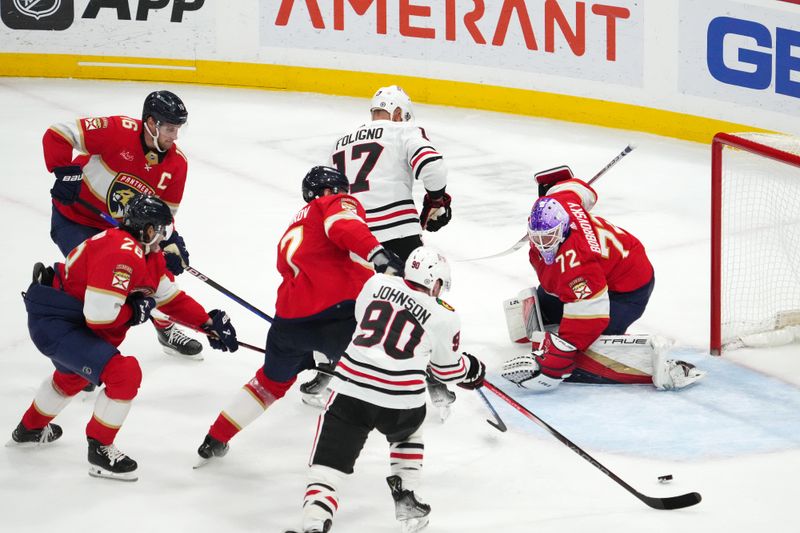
(315, 401)
(175, 353)
(98, 472)
(414, 524)
(202, 462)
(444, 412)
(27, 445)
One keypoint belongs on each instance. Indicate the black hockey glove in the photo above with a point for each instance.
(67, 186)
(430, 218)
(175, 253)
(225, 334)
(387, 262)
(141, 306)
(475, 374)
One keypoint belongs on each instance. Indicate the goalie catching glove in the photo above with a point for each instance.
(545, 368)
(436, 211)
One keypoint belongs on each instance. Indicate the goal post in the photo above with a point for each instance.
(755, 240)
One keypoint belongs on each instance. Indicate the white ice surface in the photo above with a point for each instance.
(734, 438)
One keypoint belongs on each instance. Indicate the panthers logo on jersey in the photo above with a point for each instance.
(124, 188)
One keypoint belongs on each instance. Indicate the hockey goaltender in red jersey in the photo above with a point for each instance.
(595, 281)
(323, 260)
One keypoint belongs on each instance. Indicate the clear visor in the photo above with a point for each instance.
(162, 233)
(546, 241)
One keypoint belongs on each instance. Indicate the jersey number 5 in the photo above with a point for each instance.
(380, 320)
(372, 151)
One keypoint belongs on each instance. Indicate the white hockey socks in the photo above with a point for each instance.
(49, 401)
(321, 502)
(405, 459)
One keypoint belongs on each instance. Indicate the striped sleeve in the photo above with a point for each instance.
(425, 161)
(584, 320)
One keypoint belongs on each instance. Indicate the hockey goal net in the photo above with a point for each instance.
(755, 240)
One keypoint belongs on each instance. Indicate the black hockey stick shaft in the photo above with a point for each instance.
(520, 243)
(669, 503)
(193, 271)
(497, 422)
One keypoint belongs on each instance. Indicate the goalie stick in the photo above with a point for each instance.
(193, 271)
(520, 243)
(669, 503)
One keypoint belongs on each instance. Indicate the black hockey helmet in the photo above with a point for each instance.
(165, 107)
(145, 210)
(320, 178)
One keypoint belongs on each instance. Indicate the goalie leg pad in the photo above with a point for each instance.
(523, 316)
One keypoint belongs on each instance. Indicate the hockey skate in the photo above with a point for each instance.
(110, 463)
(315, 391)
(176, 342)
(442, 398)
(412, 514)
(210, 448)
(28, 438)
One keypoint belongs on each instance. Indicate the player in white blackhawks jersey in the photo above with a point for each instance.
(379, 383)
(382, 159)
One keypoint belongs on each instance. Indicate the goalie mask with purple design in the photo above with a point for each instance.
(548, 227)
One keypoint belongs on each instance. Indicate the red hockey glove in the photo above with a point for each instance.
(548, 178)
(436, 212)
(556, 357)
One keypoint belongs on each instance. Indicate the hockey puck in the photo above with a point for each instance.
(665, 479)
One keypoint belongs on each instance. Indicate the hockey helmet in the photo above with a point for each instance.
(143, 211)
(390, 98)
(425, 266)
(165, 107)
(548, 227)
(320, 178)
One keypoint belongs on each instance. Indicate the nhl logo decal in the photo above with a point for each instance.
(37, 14)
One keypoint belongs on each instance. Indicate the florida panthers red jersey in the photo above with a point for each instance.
(596, 257)
(322, 256)
(103, 270)
(116, 166)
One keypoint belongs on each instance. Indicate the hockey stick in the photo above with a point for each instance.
(193, 271)
(207, 333)
(520, 243)
(497, 422)
(669, 503)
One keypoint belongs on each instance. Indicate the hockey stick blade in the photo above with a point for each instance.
(667, 504)
(497, 422)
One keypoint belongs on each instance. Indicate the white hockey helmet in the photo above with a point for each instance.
(390, 98)
(424, 266)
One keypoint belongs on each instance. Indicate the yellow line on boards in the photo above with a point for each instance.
(363, 84)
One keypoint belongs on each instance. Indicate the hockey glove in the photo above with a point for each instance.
(552, 176)
(436, 212)
(175, 253)
(67, 186)
(475, 374)
(141, 306)
(224, 334)
(543, 369)
(387, 262)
